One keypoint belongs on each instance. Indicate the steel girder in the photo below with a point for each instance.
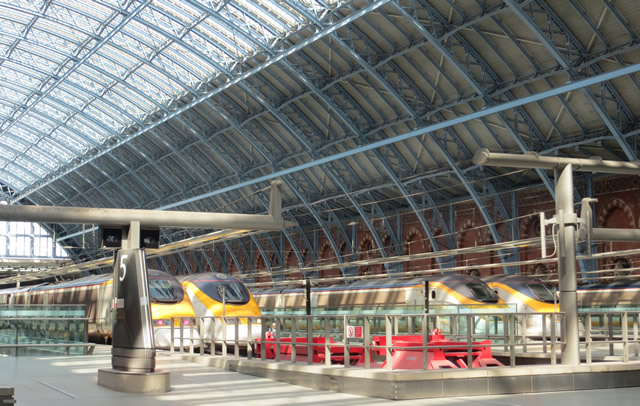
(274, 106)
(151, 121)
(564, 60)
(63, 72)
(338, 110)
(567, 61)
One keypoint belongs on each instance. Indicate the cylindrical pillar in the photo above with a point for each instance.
(307, 296)
(567, 220)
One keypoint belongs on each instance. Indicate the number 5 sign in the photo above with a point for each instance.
(354, 331)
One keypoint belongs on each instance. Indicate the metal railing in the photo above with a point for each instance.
(320, 335)
(617, 330)
(38, 333)
(515, 338)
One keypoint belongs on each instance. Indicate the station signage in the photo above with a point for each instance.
(354, 332)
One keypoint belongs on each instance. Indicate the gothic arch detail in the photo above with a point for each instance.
(612, 205)
(467, 226)
(414, 243)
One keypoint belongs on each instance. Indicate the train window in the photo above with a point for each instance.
(433, 294)
(162, 290)
(234, 291)
(482, 292)
(542, 292)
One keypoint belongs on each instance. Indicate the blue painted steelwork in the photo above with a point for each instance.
(342, 108)
(203, 96)
(428, 129)
(573, 74)
(568, 65)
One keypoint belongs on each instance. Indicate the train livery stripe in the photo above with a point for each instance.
(161, 311)
(215, 307)
(536, 305)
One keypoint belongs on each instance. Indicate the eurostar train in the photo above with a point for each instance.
(221, 295)
(448, 294)
(167, 296)
(615, 296)
(528, 295)
(382, 296)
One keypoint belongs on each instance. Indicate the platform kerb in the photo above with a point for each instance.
(442, 383)
(147, 383)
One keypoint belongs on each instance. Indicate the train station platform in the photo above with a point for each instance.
(199, 380)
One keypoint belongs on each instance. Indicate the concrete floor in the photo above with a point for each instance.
(72, 380)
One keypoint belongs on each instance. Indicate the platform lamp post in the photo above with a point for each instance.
(130, 232)
(568, 223)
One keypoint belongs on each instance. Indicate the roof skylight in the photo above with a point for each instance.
(77, 73)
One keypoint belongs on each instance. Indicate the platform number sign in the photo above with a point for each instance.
(123, 267)
(354, 331)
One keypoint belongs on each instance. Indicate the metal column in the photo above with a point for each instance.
(567, 223)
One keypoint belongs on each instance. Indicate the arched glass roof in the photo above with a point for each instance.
(369, 111)
(74, 75)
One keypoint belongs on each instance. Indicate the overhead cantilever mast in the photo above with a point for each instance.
(133, 348)
(151, 218)
(569, 224)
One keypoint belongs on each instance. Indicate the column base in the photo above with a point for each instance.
(148, 383)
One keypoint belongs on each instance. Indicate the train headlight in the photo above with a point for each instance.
(185, 322)
(161, 322)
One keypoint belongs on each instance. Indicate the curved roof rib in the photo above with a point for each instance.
(366, 110)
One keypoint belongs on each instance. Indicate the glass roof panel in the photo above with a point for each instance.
(54, 109)
(25, 136)
(105, 114)
(65, 145)
(189, 68)
(36, 124)
(59, 149)
(5, 109)
(6, 154)
(75, 73)
(86, 133)
(45, 162)
(134, 46)
(15, 17)
(89, 79)
(11, 96)
(73, 101)
(10, 178)
(28, 57)
(20, 171)
(14, 145)
(124, 101)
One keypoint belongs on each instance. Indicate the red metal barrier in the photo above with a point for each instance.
(441, 353)
(318, 354)
(406, 354)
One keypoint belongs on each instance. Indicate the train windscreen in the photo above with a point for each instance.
(482, 292)
(234, 291)
(164, 290)
(542, 292)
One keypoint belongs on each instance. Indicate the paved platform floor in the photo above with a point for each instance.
(71, 381)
